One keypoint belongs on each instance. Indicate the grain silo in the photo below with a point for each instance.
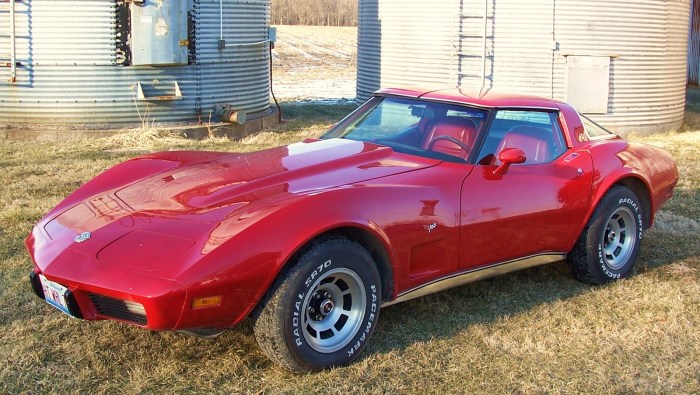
(621, 62)
(115, 62)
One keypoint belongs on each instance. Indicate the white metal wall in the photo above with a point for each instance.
(523, 46)
(403, 42)
(527, 45)
(647, 44)
(69, 71)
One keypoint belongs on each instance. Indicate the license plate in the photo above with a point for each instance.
(55, 294)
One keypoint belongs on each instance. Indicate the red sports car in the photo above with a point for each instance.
(414, 192)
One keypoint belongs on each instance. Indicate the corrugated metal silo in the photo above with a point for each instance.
(116, 62)
(624, 63)
(389, 30)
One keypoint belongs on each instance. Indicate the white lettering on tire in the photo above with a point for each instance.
(296, 320)
(370, 322)
(325, 265)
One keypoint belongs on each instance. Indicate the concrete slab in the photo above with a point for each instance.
(30, 132)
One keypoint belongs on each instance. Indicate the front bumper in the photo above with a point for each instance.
(73, 308)
(159, 311)
(134, 294)
(97, 290)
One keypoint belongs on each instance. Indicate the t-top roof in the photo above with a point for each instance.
(466, 96)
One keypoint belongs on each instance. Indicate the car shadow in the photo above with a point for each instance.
(443, 314)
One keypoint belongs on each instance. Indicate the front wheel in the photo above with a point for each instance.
(608, 247)
(322, 309)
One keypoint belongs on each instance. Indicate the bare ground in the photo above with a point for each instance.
(314, 62)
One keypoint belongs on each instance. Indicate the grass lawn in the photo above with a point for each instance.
(532, 331)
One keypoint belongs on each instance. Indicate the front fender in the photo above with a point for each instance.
(248, 250)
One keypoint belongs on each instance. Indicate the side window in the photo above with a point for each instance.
(537, 133)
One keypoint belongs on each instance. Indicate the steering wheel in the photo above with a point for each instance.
(450, 139)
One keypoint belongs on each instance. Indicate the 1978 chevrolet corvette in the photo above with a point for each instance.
(414, 192)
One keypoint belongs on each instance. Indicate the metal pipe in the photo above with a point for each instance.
(272, 92)
(250, 44)
(13, 48)
(221, 19)
(554, 49)
(483, 44)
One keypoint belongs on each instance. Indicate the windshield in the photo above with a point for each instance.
(436, 130)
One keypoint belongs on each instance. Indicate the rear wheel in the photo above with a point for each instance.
(323, 309)
(608, 247)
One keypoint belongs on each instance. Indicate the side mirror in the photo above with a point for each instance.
(508, 156)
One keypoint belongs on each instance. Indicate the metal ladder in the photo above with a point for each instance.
(10, 60)
(482, 36)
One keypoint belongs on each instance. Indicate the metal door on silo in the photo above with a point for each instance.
(159, 32)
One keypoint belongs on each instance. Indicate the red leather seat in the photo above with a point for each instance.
(460, 128)
(535, 142)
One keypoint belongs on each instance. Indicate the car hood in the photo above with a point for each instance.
(202, 194)
(243, 178)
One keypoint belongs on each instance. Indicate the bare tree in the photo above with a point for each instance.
(314, 12)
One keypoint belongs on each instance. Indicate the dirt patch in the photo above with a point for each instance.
(314, 62)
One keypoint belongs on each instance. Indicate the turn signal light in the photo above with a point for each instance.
(208, 301)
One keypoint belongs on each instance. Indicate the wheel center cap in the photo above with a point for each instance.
(327, 306)
(611, 235)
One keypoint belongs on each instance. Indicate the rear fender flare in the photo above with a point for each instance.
(630, 179)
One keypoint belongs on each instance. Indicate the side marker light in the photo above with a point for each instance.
(208, 301)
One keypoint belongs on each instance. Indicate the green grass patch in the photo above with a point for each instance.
(534, 331)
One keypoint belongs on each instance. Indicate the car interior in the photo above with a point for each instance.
(451, 135)
(536, 142)
(540, 141)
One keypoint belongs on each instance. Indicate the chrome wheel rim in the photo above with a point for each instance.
(619, 238)
(333, 310)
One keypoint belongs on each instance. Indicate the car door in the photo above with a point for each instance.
(534, 207)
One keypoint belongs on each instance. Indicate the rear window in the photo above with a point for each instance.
(593, 130)
(535, 118)
(467, 113)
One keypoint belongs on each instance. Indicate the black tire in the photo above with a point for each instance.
(322, 309)
(608, 247)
